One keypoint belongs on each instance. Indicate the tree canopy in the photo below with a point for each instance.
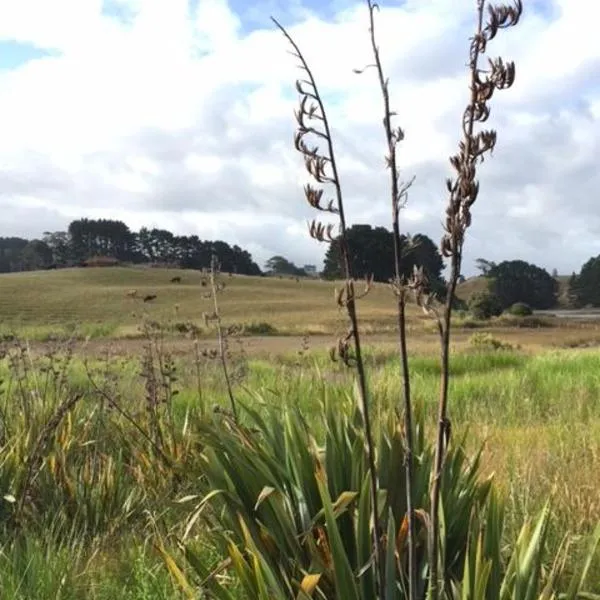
(279, 265)
(518, 281)
(584, 288)
(372, 253)
(89, 238)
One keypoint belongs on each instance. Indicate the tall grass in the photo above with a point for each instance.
(102, 493)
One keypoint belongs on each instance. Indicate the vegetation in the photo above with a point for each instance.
(289, 477)
(88, 240)
(372, 255)
(279, 265)
(484, 305)
(584, 289)
(518, 281)
(520, 309)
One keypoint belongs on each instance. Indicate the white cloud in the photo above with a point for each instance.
(179, 114)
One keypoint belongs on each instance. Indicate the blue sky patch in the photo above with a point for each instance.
(117, 10)
(16, 54)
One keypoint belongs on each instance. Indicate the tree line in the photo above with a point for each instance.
(518, 282)
(371, 255)
(86, 239)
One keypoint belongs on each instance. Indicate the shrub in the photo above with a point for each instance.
(258, 328)
(520, 309)
(101, 261)
(484, 305)
(486, 341)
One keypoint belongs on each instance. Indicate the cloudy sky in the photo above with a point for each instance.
(179, 114)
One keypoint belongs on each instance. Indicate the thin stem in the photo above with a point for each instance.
(352, 315)
(401, 312)
(221, 342)
(443, 427)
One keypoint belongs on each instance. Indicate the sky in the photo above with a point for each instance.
(178, 114)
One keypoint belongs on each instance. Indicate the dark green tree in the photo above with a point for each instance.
(518, 281)
(10, 253)
(584, 289)
(279, 265)
(59, 243)
(372, 253)
(485, 266)
(484, 305)
(36, 255)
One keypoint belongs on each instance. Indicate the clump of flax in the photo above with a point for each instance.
(312, 122)
(463, 190)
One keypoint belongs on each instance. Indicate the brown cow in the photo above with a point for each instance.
(149, 297)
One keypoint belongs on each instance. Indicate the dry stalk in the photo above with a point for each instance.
(217, 287)
(398, 197)
(463, 191)
(323, 169)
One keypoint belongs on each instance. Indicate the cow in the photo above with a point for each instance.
(149, 297)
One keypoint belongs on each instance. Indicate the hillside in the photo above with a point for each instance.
(96, 300)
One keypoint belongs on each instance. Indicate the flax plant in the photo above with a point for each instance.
(312, 121)
(463, 190)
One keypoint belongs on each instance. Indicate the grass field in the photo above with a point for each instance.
(101, 506)
(94, 303)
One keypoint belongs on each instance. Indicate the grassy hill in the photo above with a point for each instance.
(95, 299)
(95, 303)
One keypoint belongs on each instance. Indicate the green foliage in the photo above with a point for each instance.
(258, 328)
(485, 266)
(293, 516)
(372, 253)
(520, 309)
(518, 281)
(486, 341)
(484, 305)
(292, 513)
(584, 289)
(279, 265)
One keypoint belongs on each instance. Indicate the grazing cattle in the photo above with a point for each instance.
(132, 294)
(176, 279)
(149, 297)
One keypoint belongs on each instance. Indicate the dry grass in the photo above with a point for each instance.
(95, 303)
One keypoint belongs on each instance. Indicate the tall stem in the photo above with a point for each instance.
(221, 342)
(443, 426)
(350, 305)
(392, 139)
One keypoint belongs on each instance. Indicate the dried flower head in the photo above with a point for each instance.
(464, 188)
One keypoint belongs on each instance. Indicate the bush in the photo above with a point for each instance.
(486, 341)
(101, 261)
(520, 309)
(484, 305)
(258, 328)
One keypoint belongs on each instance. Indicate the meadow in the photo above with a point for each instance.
(103, 418)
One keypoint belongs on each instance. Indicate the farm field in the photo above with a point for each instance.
(101, 509)
(95, 304)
